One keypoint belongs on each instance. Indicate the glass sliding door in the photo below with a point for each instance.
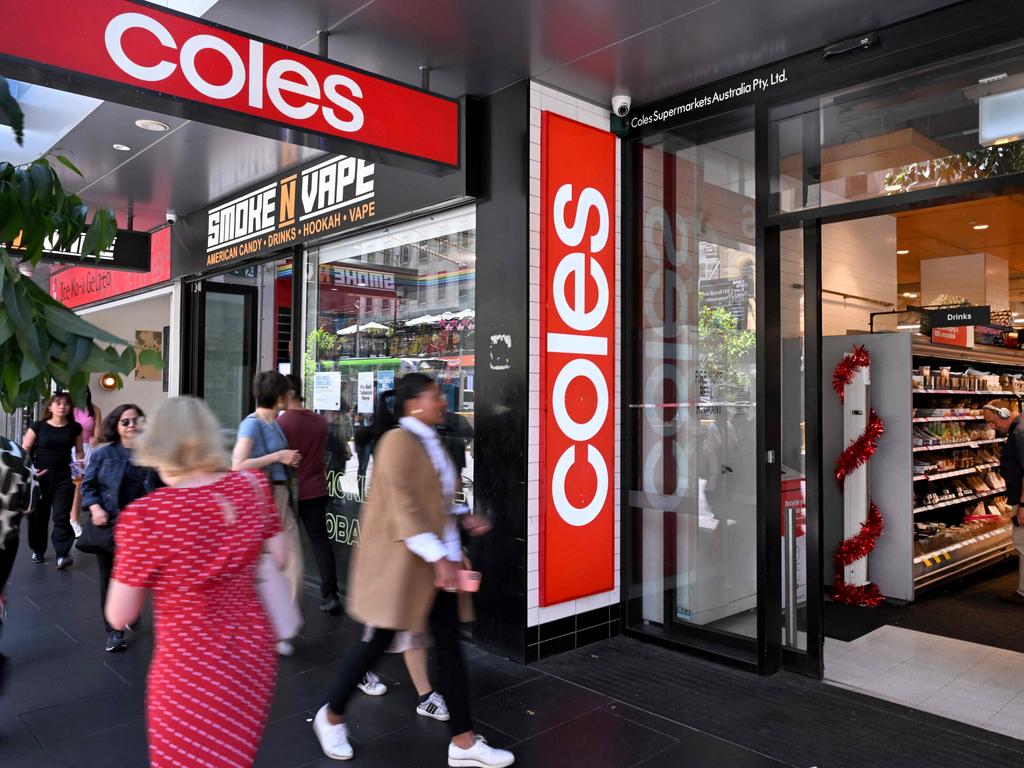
(692, 414)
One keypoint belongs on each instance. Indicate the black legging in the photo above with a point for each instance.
(105, 563)
(57, 493)
(451, 667)
(312, 512)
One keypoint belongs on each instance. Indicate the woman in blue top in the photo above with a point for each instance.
(262, 445)
(112, 482)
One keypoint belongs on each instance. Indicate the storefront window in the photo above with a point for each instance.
(692, 475)
(955, 122)
(379, 306)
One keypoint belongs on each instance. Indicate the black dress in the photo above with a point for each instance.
(52, 452)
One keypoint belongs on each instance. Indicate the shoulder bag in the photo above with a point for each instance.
(274, 590)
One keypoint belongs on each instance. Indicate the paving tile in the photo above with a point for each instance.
(82, 717)
(536, 706)
(596, 738)
(910, 683)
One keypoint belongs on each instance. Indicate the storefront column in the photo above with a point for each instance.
(500, 127)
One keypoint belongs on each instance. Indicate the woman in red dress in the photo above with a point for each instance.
(195, 544)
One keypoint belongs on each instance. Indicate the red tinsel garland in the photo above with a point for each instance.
(856, 455)
(847, 368)
(860, 450)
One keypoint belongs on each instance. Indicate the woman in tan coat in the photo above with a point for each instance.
(404, 575)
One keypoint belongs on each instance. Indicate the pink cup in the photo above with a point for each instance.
(469, 581)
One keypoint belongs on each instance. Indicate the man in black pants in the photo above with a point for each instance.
(306, 432)
(19, 494)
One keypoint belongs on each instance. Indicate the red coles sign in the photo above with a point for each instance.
(577, 535)
(185, 66)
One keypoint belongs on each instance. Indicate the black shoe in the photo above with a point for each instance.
(64, 562)
(115, 641)
(37, 558)
(331, 604)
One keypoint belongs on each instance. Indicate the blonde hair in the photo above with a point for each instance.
(182, 436)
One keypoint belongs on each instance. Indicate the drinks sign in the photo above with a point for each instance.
(959, 316)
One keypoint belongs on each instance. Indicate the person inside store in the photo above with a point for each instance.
(262, 445)
(91, 419)
(1005, 416)
(405, 574)
(112, 482)
(306, 432)
(365, 438)
(19, 495)
(339, 437)
(195, 544)
(50, 441)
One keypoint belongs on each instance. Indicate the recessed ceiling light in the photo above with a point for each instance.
(122, 148)
(902, 252)
(910, 295)
(152, 125)
(981, 226)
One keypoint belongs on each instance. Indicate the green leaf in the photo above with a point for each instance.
(128, 359)
(15, 117)
(29, 368)
(68, 164)
(6, 327)
(42, 181)
(66, 319)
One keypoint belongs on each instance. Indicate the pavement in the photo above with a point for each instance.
(69, 703)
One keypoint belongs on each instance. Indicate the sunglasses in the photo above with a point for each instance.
(138, 421)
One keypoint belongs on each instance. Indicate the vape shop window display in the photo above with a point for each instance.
(379, 306)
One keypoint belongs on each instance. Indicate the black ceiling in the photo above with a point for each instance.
(594, 48)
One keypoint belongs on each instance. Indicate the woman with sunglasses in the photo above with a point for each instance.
(112, 481)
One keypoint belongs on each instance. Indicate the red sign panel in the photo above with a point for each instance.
(957, 336)
(577, 390)
(186, 61)
(78, 286)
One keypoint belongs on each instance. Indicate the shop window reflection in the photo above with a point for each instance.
(379, 306)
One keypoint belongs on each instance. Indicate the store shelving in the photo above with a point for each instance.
(962, 545)
(965, 444)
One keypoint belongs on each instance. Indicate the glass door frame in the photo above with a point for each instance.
(194, 317)
(741, 651)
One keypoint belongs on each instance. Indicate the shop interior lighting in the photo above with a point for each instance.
(108, 382)
(915, 327)
(152, 125)
(1018, 321)
(902, 252)
(981, 226)
(909, 295)
(1001, 118)
(122, 147)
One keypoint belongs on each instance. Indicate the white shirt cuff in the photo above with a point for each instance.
(426, 546)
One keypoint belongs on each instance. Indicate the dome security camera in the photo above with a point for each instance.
(171, 217)
(621, 104)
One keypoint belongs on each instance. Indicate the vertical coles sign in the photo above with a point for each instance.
(577, 535)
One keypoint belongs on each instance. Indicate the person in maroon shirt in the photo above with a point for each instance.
(306, 432)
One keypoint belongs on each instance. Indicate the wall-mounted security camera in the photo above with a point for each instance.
(171, 217)
(621, 104)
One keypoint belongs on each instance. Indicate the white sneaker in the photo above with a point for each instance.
(480, 755)
(285, 648)
(333, 738)
(435, 707)
(77, 529)
(372, 685)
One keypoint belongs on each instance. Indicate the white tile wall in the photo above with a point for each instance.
(544, 98)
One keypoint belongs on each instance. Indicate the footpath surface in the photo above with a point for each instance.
(616, 704)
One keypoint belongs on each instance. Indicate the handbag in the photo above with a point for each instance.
(274, 590)
(95, 539)
(276, 595)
